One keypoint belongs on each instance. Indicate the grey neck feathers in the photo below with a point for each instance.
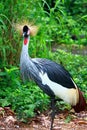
(27, 67)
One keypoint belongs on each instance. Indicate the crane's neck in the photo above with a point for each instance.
(25, 45)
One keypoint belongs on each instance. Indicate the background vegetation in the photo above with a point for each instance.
(60, 22)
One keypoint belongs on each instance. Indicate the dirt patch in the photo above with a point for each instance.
(63, 121)
(74, 49)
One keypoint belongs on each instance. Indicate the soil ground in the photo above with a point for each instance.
(65, 120)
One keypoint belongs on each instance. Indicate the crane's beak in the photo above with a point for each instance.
(26, 34)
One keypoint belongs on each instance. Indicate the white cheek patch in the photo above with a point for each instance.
(68, 95)
(28, 32)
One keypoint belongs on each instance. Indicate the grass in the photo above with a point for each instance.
(57, 24)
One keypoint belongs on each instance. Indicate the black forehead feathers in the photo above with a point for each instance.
(25, 28)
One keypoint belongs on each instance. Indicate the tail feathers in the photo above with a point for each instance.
(81, 105)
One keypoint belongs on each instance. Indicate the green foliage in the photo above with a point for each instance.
(25, 99)
(61, 105)
(68, 119)
(58, 20)
(28, 100)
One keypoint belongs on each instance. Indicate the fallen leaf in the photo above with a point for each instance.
(82, 122)
(10, 119)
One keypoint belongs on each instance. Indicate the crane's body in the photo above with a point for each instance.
(51, 77)
(44, 73)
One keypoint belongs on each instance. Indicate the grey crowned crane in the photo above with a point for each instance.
(51, 77)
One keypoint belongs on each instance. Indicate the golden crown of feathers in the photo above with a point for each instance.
(32, 27)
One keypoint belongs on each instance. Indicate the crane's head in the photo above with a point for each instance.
(26, 34)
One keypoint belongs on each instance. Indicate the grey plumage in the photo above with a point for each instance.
(30, 69)
(27, 67)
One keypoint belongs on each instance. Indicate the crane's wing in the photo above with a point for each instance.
(55, 72)
(56, 81)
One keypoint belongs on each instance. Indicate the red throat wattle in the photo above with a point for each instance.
(25, 41)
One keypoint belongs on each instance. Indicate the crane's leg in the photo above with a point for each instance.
(53, 105)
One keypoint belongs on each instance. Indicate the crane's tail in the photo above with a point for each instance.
(81, 105)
